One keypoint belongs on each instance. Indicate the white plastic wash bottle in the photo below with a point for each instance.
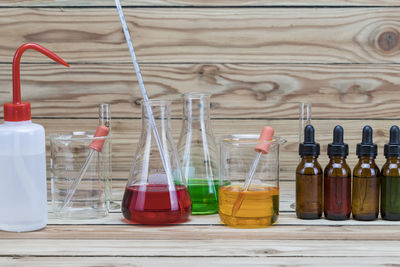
(23, 194)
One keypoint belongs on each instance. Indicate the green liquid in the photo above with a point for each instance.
(204, 195)
(390, 198)
(275, 205)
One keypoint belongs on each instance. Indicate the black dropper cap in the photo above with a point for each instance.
(309, 147)
(367, 147)
(337, 147)
(392, 149)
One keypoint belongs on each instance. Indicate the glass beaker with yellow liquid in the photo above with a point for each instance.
(258, 205)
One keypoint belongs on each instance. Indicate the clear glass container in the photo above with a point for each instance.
(259, 205)
(69, 152)
(154, 195)
(105, 119)
(198, 153)
(304, 118)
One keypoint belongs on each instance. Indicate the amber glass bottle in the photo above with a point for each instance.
(309, 178)
(390, 188)
(366, 175)
(337, 179)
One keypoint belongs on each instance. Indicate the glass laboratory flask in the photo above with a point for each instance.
(156, 194)
(199, 154)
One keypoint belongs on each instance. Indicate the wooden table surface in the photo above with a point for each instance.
(203, 241)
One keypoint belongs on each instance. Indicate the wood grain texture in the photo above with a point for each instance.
(204, 241)
(199, 248)
(76, 3)
(287, 219)
(215, 231)
(272, 91)
(197, 261)
(211, 35)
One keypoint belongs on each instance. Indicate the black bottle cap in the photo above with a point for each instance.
(392, 149)
(309, 147)
(367, 147)
(337, 147)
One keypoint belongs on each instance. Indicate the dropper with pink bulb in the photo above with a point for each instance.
(95, 146)
(263, 147)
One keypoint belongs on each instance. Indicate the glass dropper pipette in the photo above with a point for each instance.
(265, 140)
(95, 146)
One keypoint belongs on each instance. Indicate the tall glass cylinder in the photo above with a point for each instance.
(304, 118)
(105, 115)
(198, 153)
(156, 194)
(105, 119)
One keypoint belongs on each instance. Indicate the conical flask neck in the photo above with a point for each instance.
(160, 109)
(196, 111)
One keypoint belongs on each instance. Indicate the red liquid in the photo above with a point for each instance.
(337, 202)
(151, 204)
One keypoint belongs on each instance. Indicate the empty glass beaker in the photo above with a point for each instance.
(69, 151)
(198, 153)
(156, 194)
(259, 205)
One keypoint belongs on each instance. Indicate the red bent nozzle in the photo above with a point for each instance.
(16, 66)
(17, 110)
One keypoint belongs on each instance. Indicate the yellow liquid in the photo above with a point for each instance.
(255, 208)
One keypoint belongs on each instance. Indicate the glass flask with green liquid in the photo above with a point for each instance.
(199, 154)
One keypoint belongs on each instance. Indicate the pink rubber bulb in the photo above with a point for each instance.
(99, 143)
(267, 134)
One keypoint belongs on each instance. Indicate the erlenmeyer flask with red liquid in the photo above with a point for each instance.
(156, 193)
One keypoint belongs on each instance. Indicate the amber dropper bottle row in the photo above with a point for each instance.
(330, 191)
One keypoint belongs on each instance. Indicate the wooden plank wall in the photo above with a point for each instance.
(258, 57)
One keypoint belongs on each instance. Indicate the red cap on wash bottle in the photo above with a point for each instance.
(18, 110)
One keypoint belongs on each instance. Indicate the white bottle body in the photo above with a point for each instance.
(23, 188)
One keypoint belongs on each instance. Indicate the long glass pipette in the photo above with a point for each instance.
(152, 121)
